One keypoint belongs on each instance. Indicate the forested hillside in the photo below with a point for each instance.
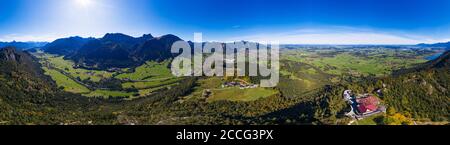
(423, 93)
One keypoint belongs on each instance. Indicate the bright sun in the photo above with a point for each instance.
(84, 3)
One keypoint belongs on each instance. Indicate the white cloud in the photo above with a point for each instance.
(340, 35)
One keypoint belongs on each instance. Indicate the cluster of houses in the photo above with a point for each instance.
(114, 69)
(363, 105)
(240, 84)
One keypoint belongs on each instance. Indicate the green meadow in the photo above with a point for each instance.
(150, 84)
(60, 63)
(67, 83)
(148, 71)
(355, 62)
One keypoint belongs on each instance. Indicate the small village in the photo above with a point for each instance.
(362, 106)
(240, 84)
(232, 84)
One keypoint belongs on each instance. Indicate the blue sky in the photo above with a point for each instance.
(286, 21)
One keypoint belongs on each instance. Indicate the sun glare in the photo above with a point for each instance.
(84, 3)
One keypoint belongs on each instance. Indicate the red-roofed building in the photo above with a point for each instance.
(367, 104)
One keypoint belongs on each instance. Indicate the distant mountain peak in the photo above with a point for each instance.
(116, 36)
(66, 46)
(22, 45)
(442, 44)
(169, 36)
(75, 37)
(147, 36)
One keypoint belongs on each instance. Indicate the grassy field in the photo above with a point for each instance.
(149, 77)
(68, 84)
(144, 92)
(67, 66)
(231, 94)
(372, 120)
(355, 62)
(150, 84)
(148, 71)
(348, 63)
(202, 84)
(237, 94)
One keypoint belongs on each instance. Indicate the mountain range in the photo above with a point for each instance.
(442, 44)
(22, 45)
(114, 50)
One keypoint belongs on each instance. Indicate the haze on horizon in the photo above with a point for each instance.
(285, 21)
